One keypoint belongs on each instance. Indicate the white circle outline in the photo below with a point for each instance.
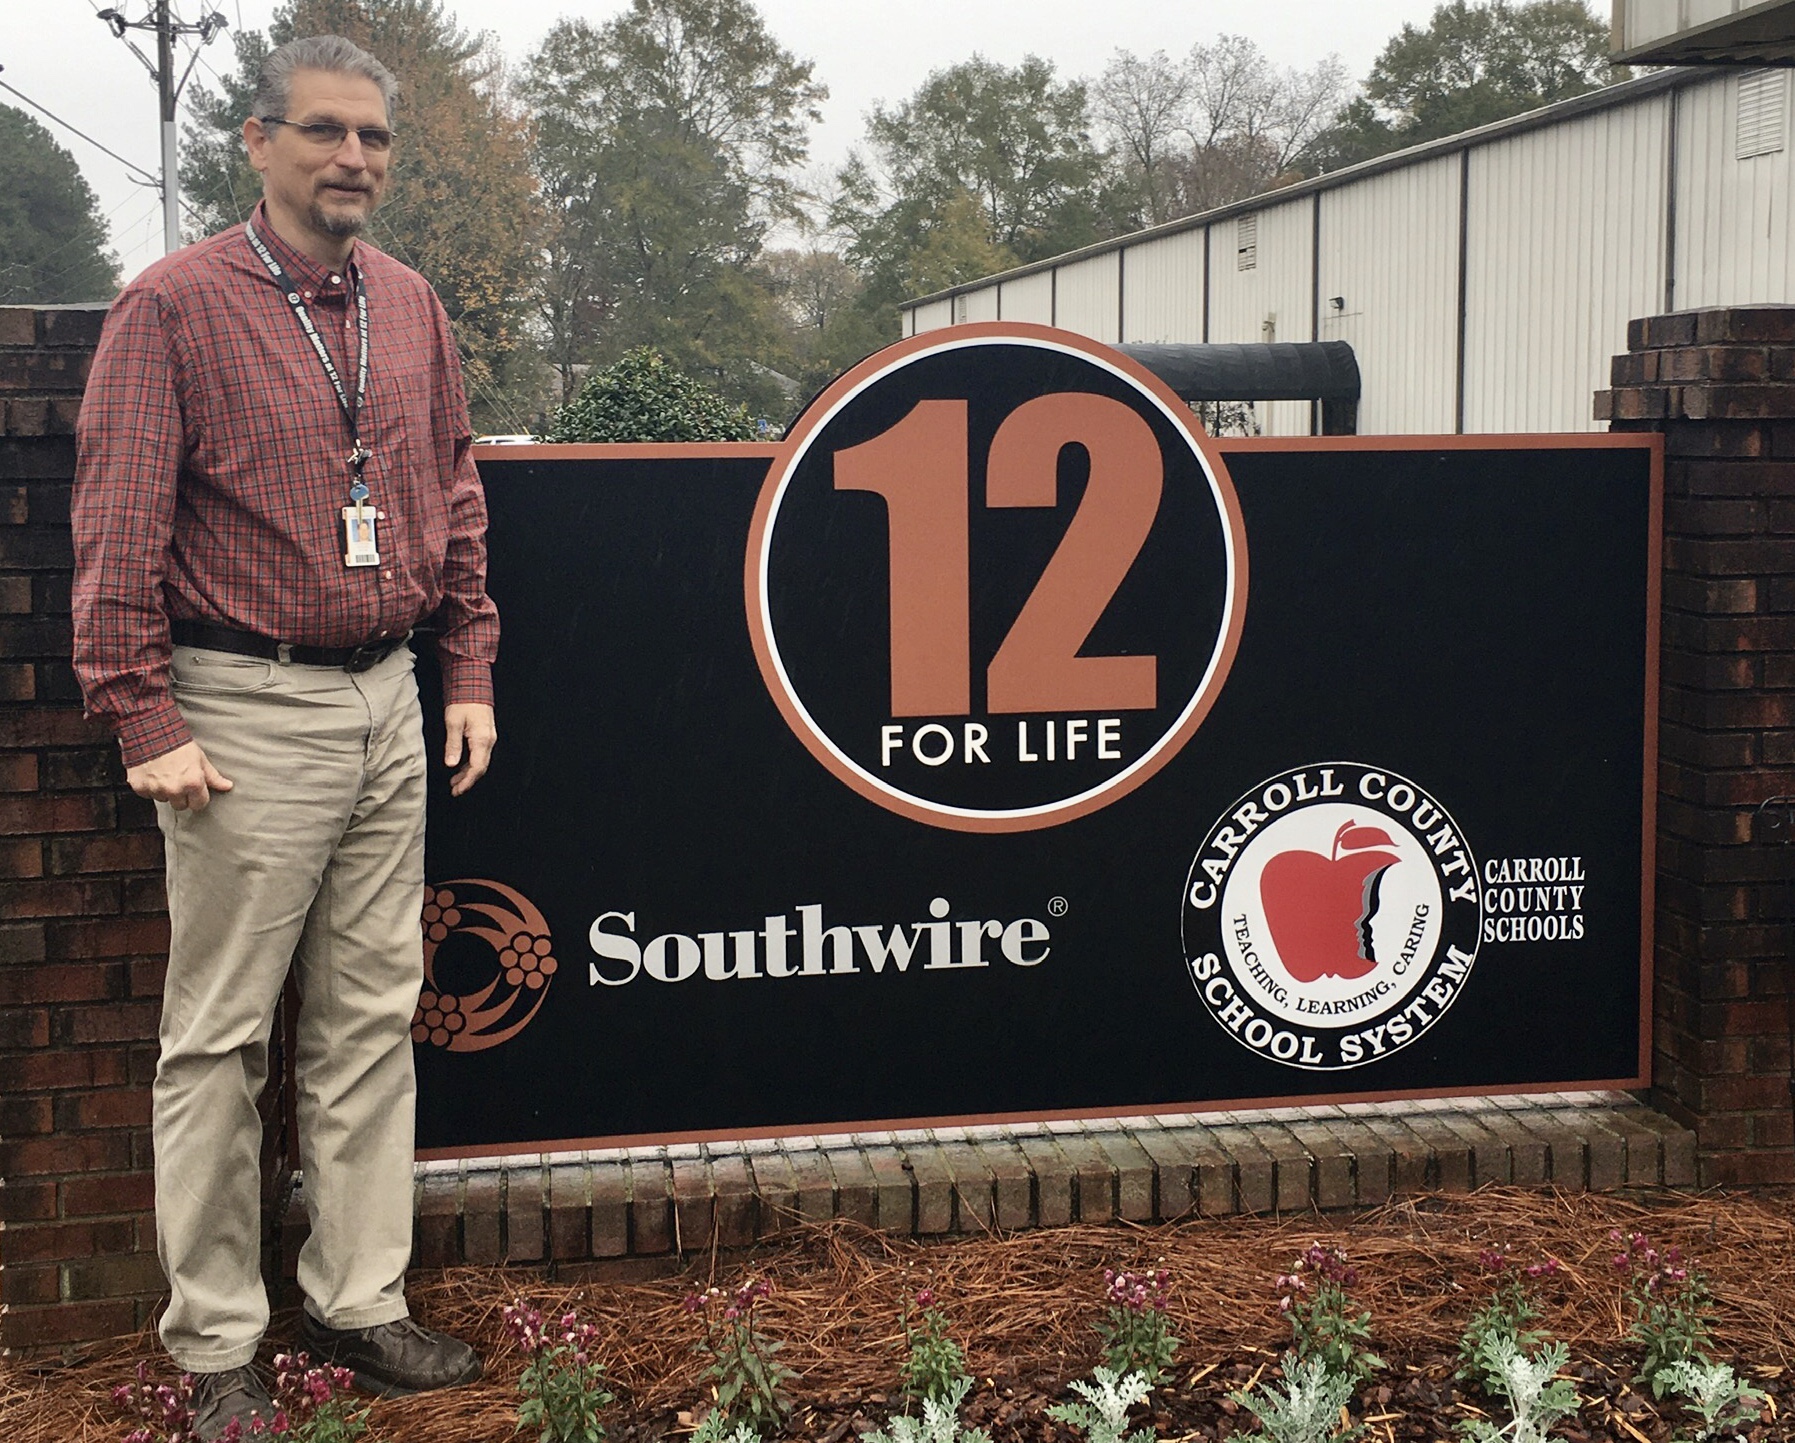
(763, 561)
(1390, 774)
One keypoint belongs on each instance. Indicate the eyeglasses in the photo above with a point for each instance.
(327, 134)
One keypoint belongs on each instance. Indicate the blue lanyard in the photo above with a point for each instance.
(359, 457)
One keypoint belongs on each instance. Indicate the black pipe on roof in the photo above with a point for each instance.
(1283, 371)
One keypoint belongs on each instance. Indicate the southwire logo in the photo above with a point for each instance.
(802, 943)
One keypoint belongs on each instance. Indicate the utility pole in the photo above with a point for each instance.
(168, 29)
(171, 174)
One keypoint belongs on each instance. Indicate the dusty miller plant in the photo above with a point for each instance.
(1715, 1394)
(1103, 1415)
(940, 1422)
(1536, 1396)
(1307, 1409)
(716, 1429)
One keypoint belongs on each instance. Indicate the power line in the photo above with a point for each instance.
(141, 173)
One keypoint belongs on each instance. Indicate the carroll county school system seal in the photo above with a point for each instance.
(1331, 916)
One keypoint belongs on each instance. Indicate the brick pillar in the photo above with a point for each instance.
(82, 928)
(1719, 385)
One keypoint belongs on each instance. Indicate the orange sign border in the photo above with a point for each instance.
(1651, 443)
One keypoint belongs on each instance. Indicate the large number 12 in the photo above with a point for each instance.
(921, 467)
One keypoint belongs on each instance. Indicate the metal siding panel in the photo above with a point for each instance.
(1649, 20)
(1087, 297)
(1163, 298)
(1566, 246)
(1389, 249)
(1733, 240)
(981, 305)
(1029, 299)
(1280, 287)
(934, 315)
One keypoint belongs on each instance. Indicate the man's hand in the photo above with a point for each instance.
(183, 778)
(470, 722)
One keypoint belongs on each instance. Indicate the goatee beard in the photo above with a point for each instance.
(340, 224)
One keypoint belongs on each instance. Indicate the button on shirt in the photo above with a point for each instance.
(212, 471)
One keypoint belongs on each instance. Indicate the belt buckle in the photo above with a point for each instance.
(367, 655)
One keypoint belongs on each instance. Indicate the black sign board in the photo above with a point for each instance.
(999, 747)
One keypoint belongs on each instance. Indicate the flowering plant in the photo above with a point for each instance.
(1137, 1338)
(745, 1375)
(165, 1409)
(563, 1383)
(310, 1406)
(934, 1361)
(1318, 1301)
(1510, 1309)
(1670, 1303)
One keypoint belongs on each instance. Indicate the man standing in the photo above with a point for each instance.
(274, 486)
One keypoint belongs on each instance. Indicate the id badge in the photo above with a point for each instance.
(360, 548)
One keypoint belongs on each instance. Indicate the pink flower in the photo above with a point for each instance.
(693, 1303)
(925, 1298)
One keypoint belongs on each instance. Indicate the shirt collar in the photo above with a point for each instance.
(315, 282)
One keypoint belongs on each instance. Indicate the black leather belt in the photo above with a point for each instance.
(211, 637)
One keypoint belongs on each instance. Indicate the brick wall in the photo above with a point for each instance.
(82, 930)
(1720, 386)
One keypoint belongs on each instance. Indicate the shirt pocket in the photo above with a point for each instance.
(218, 673)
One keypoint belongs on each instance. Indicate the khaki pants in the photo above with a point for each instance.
(314, 859)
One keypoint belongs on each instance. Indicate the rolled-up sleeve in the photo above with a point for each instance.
(129, 444)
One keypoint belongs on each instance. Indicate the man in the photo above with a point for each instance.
(274, 486)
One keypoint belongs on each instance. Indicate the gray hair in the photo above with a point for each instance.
(330, 53)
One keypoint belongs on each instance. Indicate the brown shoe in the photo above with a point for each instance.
(392, 1360)
(218, 1398)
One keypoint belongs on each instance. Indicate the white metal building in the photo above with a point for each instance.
(1483, 280)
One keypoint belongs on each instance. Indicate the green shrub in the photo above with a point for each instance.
(644, 397)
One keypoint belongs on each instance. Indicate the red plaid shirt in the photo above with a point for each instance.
(212, 472)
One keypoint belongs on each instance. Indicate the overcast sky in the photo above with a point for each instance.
(60, 55)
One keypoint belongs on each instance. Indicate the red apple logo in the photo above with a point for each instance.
(1319, 908)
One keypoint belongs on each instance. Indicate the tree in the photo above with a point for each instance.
(1222, 124)
(1016, 139)
(1144, 108)
(1472, 65)
(665, 141)
(461, 206)
(52, 236)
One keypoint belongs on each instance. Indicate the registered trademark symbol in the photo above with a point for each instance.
(1058, 907)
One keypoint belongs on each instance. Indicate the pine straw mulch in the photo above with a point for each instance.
(1023, 1306)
